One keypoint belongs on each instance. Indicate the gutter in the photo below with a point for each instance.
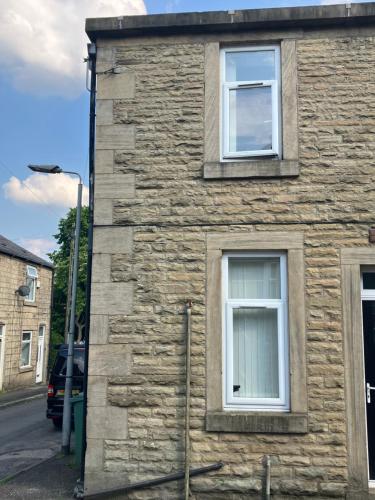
(317, 16)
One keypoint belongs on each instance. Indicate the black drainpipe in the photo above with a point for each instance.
(92, 66)
(153, 482)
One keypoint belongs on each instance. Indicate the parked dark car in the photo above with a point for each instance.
(56, 385)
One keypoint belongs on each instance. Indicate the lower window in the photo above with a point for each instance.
(256, 364)
(26, 349)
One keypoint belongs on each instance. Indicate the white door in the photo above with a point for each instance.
(40, 354)
(2, 355)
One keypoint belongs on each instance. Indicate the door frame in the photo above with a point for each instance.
(352, 259)
(41, 326)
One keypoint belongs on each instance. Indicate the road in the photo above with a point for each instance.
(26, 436)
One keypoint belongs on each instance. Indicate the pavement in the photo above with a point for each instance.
(52, 479)
(31, 466)
(18, 396)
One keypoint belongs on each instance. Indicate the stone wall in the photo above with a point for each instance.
(153, 211)
(17, 316)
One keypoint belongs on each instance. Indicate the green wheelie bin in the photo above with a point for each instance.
(77, 404)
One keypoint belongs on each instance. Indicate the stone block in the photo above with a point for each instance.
(103, 211)
(104, 161)
(111, 298)
(105, 59)
(113, 240)
(99, 329)
(97, 391)
(101, 267)
(116, 85)
(112, 360)
(104, 112)
(109, 422)
(94, 451)
(95, 482)
(261, 422)
(115, 137)
(114, 186)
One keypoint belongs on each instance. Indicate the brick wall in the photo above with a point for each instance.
(17, 315)
(156, 261)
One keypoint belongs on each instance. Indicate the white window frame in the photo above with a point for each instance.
(31, 274)
(227, 86)
(281, 305)
(30, 346)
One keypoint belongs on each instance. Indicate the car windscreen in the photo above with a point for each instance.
(78, 364)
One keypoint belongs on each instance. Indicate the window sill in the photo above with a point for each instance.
(24, 369)
(250, 169)
(266, 422)
(29, 304)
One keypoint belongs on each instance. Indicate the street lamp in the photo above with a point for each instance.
(66, 428)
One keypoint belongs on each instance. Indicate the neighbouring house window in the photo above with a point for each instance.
(31, 277)
(250, 102)
(256, 369)
(26, 349)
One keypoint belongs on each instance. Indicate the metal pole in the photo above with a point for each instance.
(69, 296)
(187, 403)
(67, 415)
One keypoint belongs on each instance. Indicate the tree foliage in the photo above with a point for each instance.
(60, 259)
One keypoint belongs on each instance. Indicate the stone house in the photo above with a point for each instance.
(235, 168)
(24, 316)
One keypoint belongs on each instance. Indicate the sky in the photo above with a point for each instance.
(44, 104)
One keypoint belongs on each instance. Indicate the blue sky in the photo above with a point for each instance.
(45, 107)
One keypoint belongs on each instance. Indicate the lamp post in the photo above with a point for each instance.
(66, 428)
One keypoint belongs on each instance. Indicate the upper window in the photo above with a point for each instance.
(255, 331)
(250, 102)
(31, 277)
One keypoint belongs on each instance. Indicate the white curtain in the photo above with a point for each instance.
(255, 329)
(255, 353)
(255, 278)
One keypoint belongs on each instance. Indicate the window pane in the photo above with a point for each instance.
(369, 281)
(255, 353)
(41, 331)
(254, 278)
(26, 336)
(30, 282)
(25, 354)
(31, 271)
(250, 65)
(250, 119)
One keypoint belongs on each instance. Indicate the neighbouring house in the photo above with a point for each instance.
(235, 167)
(25, 312)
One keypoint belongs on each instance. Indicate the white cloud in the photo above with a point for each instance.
(58, 190)
(39, 246)
(43, 42)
